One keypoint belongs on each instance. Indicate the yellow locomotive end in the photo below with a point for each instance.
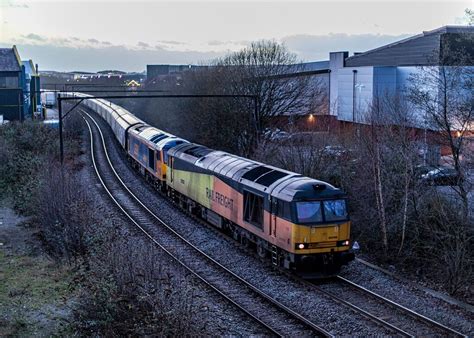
(321, 237)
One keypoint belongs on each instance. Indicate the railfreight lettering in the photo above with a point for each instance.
(223, 200)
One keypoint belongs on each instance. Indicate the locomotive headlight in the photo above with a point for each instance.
(301, 246)
(343, 243)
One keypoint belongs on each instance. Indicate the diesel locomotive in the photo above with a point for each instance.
(300, 223)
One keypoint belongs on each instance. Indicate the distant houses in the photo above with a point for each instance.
(19, 86)
(86, 81)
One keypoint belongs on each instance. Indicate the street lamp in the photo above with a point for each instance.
(359, 86)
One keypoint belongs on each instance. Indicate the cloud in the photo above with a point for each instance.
(91, 55)
(12, 4)
(317, 47)
(229, 42)
(92, 58)
(35, 37)
(171, 42)
(216, 43)
(62, 41)
(143, 44)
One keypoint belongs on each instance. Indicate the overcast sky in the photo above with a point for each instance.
(126, 35)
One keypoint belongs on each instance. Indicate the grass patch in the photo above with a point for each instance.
(32, 289)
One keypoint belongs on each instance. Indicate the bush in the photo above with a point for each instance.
(133, 289)
(26, 151)
(445, 242)
(64, 212)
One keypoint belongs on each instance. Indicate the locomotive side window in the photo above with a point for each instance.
(151, 158)
(309, 212)
(253, 209)
(283, 210)
(165, 154)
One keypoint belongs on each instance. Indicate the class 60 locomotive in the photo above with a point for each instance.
(296, 222)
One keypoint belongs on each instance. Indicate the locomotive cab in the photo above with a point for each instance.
(320, 225)
(321, 236)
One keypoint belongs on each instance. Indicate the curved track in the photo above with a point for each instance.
(268, 312)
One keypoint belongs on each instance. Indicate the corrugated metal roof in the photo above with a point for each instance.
(8, 60)
(415, 50)
(316, 65)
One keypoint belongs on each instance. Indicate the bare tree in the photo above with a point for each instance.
(265, 70)
(309, 154)
(469, 14)
(445, 243)
(386, 155)
(64, 212)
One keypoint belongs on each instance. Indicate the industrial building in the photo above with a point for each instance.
(19, 86)
(32, 97)
(350, 85)
(154, 71)
(356, 81)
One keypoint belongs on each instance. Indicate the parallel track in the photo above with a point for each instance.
(268, 312)
(386, 312)
(426, 326)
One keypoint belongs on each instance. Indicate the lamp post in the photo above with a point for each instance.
(359, 86)
(81, 99)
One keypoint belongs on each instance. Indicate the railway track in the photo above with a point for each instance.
(274, 316)
(405, 322)
(398, 318)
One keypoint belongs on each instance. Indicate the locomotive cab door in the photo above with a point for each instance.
(171, 167)
(151, 159)
(273, 216)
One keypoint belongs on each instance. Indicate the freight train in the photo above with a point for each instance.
(299, 223)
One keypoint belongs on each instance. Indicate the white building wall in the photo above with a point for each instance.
(351, 97)
(355, 90)
(336, 62)
(404, 79)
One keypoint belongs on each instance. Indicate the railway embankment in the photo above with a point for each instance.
(36, 291)
(80, 268)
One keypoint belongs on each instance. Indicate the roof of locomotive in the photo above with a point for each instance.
(152, 132)
(171, 139)
(157, 137)
(305, 188)
(283, 184)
